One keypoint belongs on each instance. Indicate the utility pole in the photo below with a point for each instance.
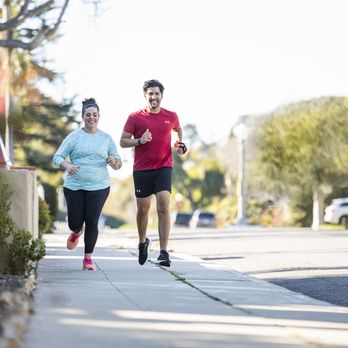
(240, 131)
(5, 88)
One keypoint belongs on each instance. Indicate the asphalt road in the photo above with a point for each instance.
(312, 263)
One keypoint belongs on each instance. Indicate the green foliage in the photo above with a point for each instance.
(45, 220)
(302, 147)
(39, 122)
(6, 224)
(37, 252)
(337, 192)
(254, 212)
(213, 185)
(41, 127)
(51, 199)
(198, 176)
(225, 210)
(301, 206)
(18, 249)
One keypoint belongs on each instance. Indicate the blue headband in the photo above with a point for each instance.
(89, 105)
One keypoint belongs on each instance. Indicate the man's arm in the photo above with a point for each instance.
(127, 140)
(180, 133)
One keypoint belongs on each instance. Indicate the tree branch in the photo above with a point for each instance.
(24, 14)
(43, 34)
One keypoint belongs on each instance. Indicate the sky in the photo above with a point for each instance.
(218, 60)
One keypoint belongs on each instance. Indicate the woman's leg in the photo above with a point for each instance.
(94, 204)
(75, 202)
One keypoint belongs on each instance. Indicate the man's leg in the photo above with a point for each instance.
(143, 207)
(163, 199)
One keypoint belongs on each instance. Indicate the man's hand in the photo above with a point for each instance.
(181, 147)
(146, 137)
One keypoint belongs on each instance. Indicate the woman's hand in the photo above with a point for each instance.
(71, 169)
(114, 162)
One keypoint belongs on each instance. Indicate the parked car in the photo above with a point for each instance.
(181, 219)
(203, 219)
(337, 212)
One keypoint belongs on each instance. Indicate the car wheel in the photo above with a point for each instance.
(344, 220)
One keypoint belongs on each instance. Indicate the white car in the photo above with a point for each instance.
(337, 212)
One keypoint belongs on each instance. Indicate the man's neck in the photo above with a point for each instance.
(154, 111)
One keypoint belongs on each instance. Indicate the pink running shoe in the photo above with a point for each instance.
(88, 265)
(73, 239)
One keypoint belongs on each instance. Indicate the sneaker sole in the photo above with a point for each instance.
(164, 263)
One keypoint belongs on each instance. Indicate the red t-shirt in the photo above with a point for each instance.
(156, 153)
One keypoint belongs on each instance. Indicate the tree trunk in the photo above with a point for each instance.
(318, 208)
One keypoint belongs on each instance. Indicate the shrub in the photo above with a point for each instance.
(19, 253)
(6, 224)
(45, 220)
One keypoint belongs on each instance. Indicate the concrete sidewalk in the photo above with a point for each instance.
(191, 304)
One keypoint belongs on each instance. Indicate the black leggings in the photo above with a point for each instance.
(85, 207)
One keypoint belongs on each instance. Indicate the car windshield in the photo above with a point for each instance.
(181, 218)
(207, 215)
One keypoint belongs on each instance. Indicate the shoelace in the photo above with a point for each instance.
(88, 261)
(73, 237)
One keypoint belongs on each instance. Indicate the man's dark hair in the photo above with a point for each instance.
(153, 83)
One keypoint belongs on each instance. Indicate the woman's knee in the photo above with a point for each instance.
(75, 226)
(91, 224)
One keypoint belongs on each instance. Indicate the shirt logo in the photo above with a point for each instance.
(166, 122)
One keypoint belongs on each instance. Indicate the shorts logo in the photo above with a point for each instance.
(138, 191)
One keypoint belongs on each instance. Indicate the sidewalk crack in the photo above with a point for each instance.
(118, 289)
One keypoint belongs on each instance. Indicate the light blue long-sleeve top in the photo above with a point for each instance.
(89, 151)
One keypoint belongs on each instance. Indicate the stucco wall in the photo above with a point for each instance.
(24, 200)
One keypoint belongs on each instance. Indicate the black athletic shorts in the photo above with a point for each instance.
(148, 182)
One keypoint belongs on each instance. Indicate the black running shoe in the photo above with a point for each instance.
(144, 251)
(163, 258)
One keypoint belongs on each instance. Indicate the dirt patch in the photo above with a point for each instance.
(16, 305)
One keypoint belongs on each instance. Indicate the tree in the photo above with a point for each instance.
(304, 146)
(24, 27)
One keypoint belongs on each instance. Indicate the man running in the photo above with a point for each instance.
(149, 131)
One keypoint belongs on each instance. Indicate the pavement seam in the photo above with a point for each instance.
(118, 289)
(212, 297)
(126, 296)
(182, 279)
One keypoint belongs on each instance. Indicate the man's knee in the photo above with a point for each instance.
(163, 209)
(143, 210)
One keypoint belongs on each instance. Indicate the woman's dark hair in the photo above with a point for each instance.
(153, 83)
(87, 103)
